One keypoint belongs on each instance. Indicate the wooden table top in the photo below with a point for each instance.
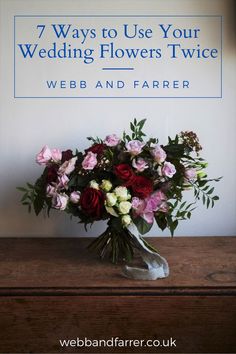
(63, 266)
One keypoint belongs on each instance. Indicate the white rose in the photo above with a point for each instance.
(122, 193)
(111, 199)
(106, 185)
(93, 184)
(126, 220)
(124, 207)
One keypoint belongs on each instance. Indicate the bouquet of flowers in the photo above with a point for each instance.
(125, 181)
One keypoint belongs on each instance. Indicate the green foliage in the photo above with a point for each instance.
(136, 131)
(161, 220)
(142, 226)
(40, 194)
(96, 140)
(34, 196)
(178, 211)
(203, 191)
(28, 195)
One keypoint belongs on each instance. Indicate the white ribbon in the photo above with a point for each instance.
(157, 266)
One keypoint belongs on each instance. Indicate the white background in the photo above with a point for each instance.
(28, 124)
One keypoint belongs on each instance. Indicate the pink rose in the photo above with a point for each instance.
(44, 156)
(138, 205)
(67, 167)
(140, 164)
(139, 208)
(168, 169)
(145, 208)
(164, 207)
(190, 173)
(155, 200)
(75, 197)
(63, 181)
(50, 190)
(90, 161)
(134, 147)
(159, 154)
(56, 155)
(158, 200)
(59, 201)
(111, 140)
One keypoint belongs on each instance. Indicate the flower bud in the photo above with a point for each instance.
(94, 184)
(75, 197)
(106, 185)
(126, 220)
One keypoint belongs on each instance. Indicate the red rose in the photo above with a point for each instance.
(92, 202)
(97, 149)
(142, 186)
(51, 173)
(66, 155)
(125, 173)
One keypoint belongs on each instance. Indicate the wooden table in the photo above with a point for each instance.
(52, 289)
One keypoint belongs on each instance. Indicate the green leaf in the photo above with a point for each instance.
(182, 205)
(161, 221)
(172, 226)
(215, 197)
(208, 202)
(175, 204)
(142, 226)
(205, 188)
(73, 181)
(141, 123)
(202, 183)
(81, 181)
(21, 189)
(25, 196)
(203, 198)
(38, 204)
(211, 190)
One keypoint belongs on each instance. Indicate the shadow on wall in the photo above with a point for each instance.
(230, 29)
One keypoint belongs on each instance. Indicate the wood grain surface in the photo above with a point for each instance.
(202, 263)
(199, 324)
(52, 289)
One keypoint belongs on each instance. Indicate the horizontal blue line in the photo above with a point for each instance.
(111, 97)
(117, 68)
(118, 16)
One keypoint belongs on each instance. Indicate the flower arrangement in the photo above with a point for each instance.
(125, 181)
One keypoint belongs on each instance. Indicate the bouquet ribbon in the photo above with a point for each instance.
(157, 266)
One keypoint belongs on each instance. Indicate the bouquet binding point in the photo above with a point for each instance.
(127, 181)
